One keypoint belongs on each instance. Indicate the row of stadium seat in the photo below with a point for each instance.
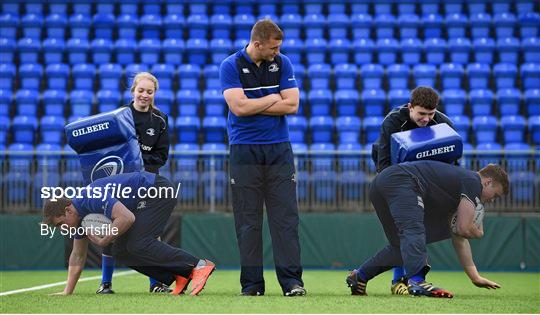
(201, 52)
(317, 129)
(268, 7)
(335, 26)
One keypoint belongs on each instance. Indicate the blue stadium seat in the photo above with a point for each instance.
(109, 76)
(55, 101)
(398, 76)
(348, 129)
(216, 159)
(302, 104)
(363, 51)
(57, 76)
(465, 161)
(479, 75)
(320, 101)
(408, 25)
(150, 26)
(374, 102)
(456, 25)
(71, 160)
(9, 23)
(131, 71)
(77, 50)
(242, 25)
(188, 104)
(299, 74)
(433, 24)
(505, 75)
(174, 6)
(5, 102)
(187, 129)
(339, 50)
(220, 49)
(481, 102)
(189, 185)
(214, 129)
(528, 23)
(513, 129)
(435, 50)
(104, 7)
(338, 25)
(53, 50)
(515, 159)
(52, 129)
(384, 25)
(532, 102)
(164, 100)
(29, 50)
(462, 125)
(5, 123)
(313, 7)
(454, 102)
(30, 76)
(322, 128)
(504, 24)
(294, 49)
(83, 7)
(459, 49)
(109, 100)
(184, 160)
(214, 104)
(291, 23)
(314, 25)
(452, 7)
(424, 74)
(406, 7)
(361, 25)
(485, 128)
(81, 102)
(324, 184)
(372, 127)
(125, 50)
(534, 129)
(372, 76)
(22, 160)
(221, 25)
(524, 6)
(508, 49)
(321, 159)
(531, 50)
(83, 76)
(411, 51)
(198, 26)
(17, 187)
(80, 25)
(55, 25)
(149, 51)
(188, 75)
(483, 49)
(360, 7)
(346, 102)
(101, 50)
(345, 76)
(27, 102)
(173, 50)
(398, 97)
(72, 179)
(297, 128)
(522, 185)
(32, 24)
(218, 192)
(268, 6)
(351, 159)
(484, 158)
(353, 185)
(7, 75)
(211, 77)
(451, 75)
(500, 6)
(319, 76)
(165, 74)
(316, 50)
(530, 76)
(151, 7)
(10, 7)
(24, 129)
(104, 25)
(127, 25)
(480, 24)
(387, 49)
(7, 50)
(242, 7)
(196, 51)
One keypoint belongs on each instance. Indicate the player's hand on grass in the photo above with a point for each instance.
(59, 293)
(482, 282)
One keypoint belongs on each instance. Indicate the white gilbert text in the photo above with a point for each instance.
(90, 129)
(436, 151)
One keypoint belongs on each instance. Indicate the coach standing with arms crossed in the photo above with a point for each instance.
(260, 89)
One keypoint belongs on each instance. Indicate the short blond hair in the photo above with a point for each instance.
(265, 30)
(145, 75)
(498, 174)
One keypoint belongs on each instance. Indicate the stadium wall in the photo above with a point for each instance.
(328, 241)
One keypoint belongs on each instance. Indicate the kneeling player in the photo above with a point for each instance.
(403, 195)
(139, 222)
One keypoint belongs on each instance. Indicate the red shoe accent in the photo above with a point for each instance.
(181, 285)
(442, 293)
(200, 276)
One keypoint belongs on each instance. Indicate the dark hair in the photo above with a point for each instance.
(496, 173)
(265, 30)
(425, 97)
(53, 209)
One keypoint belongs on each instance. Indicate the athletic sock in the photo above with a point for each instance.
(399, 273)
(418, 278)
(153, 281)
(107, 268)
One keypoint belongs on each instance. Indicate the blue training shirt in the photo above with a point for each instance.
(239, 71)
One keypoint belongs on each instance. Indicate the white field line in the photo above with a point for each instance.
(55, 284)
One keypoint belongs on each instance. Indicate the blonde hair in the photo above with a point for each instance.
(145, 75)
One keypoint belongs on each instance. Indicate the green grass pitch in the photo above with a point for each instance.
(327, 293)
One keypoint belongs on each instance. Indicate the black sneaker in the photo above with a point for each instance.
(357, 285)
(296, 290)
(105, 288)
(160, 288)
(252, 293)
